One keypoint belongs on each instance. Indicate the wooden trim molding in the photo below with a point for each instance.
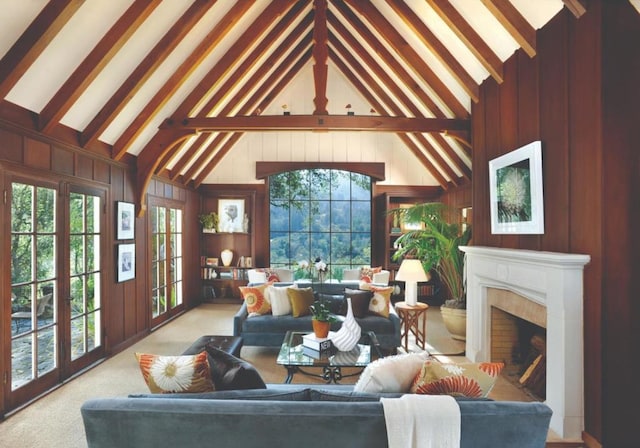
(266, 169)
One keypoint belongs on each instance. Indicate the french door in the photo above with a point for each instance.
(55, 244)
(166, 260)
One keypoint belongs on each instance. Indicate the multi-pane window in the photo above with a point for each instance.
(320, 213)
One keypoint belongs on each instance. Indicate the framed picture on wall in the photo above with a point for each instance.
(231, 215)
(126, 261)
(125, 220)
(515, 188)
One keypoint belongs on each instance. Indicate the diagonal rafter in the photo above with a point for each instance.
(402, 75)
(177, 79)
(465, 32)
(440, 51)
(293, 61)
(238, 76)
(34, 40)
(510, 18)
(381, 91)
(93, 64)
(393, 38)
(366, 93)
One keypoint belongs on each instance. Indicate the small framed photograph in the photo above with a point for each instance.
(248, 262)
(125, 221)
(210, 261)
(126, 267)
(231, 215)
(515, 188)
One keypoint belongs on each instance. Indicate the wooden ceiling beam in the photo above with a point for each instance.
(264, 123)
(511, 19)
(258, 101)
(465, 32)
(320, 55)
(93, 64)
(366, 93)
(382, 74)
(381, 92)
(439, 50)
(176, 80)
(410, 56)
(23, 53)
(136, 80)
(577, 7)
(255, 79)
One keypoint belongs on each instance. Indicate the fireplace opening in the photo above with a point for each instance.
(521, 346)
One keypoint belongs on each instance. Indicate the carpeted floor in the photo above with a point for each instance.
(54, 420)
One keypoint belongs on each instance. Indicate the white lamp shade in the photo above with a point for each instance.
(412, 271)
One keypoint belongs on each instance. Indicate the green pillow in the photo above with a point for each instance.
(301, 299)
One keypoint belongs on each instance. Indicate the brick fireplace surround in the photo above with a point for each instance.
(554, 281)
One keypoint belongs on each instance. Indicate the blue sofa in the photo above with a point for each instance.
(269, 330)
(291, 416)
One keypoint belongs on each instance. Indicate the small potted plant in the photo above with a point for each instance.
(209, 222)
(321, 318)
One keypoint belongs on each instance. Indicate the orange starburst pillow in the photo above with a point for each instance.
(474, 380)
(256, 298)
(173, 374)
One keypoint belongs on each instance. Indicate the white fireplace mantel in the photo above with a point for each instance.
(551, 279)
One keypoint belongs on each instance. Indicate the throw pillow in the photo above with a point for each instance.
(301, 299)
(366, 273)
(472, 380)
(272, 275)
(359, 301)
(380, 301)
(169, 374)
(232, 373)
(256, 298)
(279, 298)
(391, 374)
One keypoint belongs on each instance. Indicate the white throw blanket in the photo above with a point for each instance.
(422, 421)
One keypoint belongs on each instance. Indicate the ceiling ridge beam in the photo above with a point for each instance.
(136, 80)
(366, 93)
(320, 56)
(431, 41)
(251, 105)
(515, 24)
(96, 60)
(40, 32)
(406, 53)
(179, 76)
(368, 79)
(404, 76)
(253, 80)
(469, 37)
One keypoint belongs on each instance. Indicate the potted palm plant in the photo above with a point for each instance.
(436, 244)
(321, 318)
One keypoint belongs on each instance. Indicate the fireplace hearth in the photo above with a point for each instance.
(551, 284)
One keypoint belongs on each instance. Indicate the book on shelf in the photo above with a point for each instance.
(318, 344)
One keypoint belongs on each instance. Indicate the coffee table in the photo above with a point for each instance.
(294, 357)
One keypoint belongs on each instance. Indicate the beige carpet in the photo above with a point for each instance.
(54, 420)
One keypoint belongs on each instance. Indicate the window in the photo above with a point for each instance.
(320, 213)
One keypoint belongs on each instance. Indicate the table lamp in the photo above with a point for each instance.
(411, 272)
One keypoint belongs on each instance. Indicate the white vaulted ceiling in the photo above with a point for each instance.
(156, 79)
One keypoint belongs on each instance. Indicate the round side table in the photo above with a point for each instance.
(410, 323)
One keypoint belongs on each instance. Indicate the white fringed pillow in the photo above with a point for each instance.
(393, 374)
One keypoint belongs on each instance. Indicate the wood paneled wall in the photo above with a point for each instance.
(579, 96)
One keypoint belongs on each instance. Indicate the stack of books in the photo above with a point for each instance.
(317, 347)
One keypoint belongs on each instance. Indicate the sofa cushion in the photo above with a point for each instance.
(359, 301)
(391, 374)
(246, 394)
(301, 299)
(170, 374)
(465, 379)
(279, 298)
(352, 395)
(381, 300)
(231, 373)
(256, 298)
(336, 302)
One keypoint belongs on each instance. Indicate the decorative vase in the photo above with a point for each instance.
(226, 256)
(455, 321)
(320, 329)
(349, 334)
